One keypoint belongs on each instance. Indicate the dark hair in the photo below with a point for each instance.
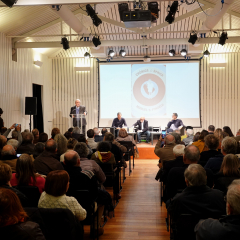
(211, 128)
(196, 136)
(56, 183)
(175, 114)
(50, 146)
(67, 135)
(3, 130)
(27, 137)
(191, 153)
(104, 130)
(71, 161)
(104, 146)
(177, 137)
(90, 133)
(189, 127)
(70, 129)
(43, 137)
(35, 132)
(11, 210)
(82, 149)
(25, 170)
(122, 133)
(1, 111)
(71, 143)
(5, 174)
(203, 134)
(108, 137)
(211, 141)
(54, 132)
(82, 138)
(228, 130)
(38, 149)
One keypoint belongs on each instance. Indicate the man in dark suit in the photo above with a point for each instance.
(142, 125)
(77, 109)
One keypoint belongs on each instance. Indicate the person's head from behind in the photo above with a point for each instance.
(196, 136)
(82, 138)
(96, 131)
(57, 183)
(119, 115)
(233, 198)
(219, 134)
(211, 128)
(27, 138)
(211, 141)
(104, 130)
(230, 166)
(176, 136)
(195, 176)
(43, 137)
(54, 132)
(3, 141)
(122, 133)
(76, 130)
(188, 127)
(71, 158)
(108, 137)
(3, 130)
(174, 116)
(11, 210)
(228, 130)
(38, 149)
(203, 134)
(35, 133)
(61, 143)
(169, 139)
(90, 133)
(14, 134)
(14, 143)
(82, 149)
(67, 135)
(8, 150)
(5, 174)
(189, 132)
(229, 145)
(142, 119)
(70, 130)
(104, 147)
(178, 150)
(51, 146)
(71, 143)
(191, 154)
(77, 102)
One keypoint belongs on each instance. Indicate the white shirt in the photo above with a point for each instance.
(141, 125)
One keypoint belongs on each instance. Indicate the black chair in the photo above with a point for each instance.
(32, 193)
(144, 136)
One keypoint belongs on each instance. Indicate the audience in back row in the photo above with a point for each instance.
(8, 156)
(27, 145)
(35, 133)
(70, 146)
(91, 142)
(200, 144)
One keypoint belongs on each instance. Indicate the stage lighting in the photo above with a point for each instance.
(206, 53)
(193, 38)
(65, 43)
(171, 13)
(183, 52)
(87, 55)
(91, 12)
(122, 53)
(153, 7)
(172, 52)
(111, 53)
(223, 38)
(9, 3)
(96, 41)
(122, 7)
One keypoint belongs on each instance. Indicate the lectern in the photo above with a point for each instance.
(77, 120)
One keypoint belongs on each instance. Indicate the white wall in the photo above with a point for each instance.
(16, 79)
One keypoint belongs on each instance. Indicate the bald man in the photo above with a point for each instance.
(9, 157)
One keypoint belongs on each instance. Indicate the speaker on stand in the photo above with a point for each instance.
(30, 108)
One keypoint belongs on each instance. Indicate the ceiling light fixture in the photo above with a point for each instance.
(87, 55)
(206, 53)
(111, 53)
(171, 52)
(122, 7)
(183, 52)
(96, 41)
(193, 38)
(9, 3)
(223, 38)
(65, 43)
(91, 12)
(153, 7)
(38, 63)
(171, 12)
(122, 53)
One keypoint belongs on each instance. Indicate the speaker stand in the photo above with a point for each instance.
(30, 123)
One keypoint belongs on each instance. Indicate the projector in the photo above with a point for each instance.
(147, 59)
(140, 18)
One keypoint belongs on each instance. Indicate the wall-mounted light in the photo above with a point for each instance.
(219, 65)
(82, 69)
(38, 63)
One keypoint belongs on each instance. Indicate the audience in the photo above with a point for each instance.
(14, 143)
(219, 134)
(211, 129)
(35, 133)
(70, 146)
(76, 133)
(177, 137)
(189, 139)
(200, 144)
(68, 135)
(61, 144)
(104, 130)
(3, 142)
(54, 132)
(3, 130)
(83, 139)
(97, 137)
(91, 142)
(56, 186)
(185, 130)
(43, 137)
(228, 130)
(25, 175)
(38, 149)
(8, 156)
(48, 160)
(16, 134)
(229, 145)
(196, 136)
(14, 222)
(27, 145)
(227, 227)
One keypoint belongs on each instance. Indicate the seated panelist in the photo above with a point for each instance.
(118, 122)
(142, 125)
(175, 123)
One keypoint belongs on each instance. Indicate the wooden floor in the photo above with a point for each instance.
(138, 214)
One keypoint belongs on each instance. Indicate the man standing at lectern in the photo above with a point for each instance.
(77, 109)
(142, 125)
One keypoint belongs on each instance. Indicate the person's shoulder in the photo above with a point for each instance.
(28, 225)
(176, 170)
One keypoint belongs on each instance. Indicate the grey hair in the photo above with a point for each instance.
(8, 152)
(177, 137)
(119, 113)
(76, 130)
(233, 196)
(26, 131)
(192, 153)
(82, 149)
(175, 114)
(229, 145)
(196, 175)
(96, 131)
(14, 134)
(78, 100)
(13, 142)
(61, 141)
(178, 150)
(189, 132)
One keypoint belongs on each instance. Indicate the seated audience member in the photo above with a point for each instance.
(189, 139)
(48, 160)
(176, 181)
(70, 146)
(200, 144)
(76, 132)
(26, 131)
(165, 153)
(14, 143)
(3, 130)
(61, 144)
(229, 145)
(229, 171)
(70, 129)
(16, 134)
(82, 138)
(56, 186)
(227, 227)
(197, 198)
(212, 143)
(219, 134)
(27, 145)
(14, 222)
(104, 130)
(3, 142)
(89, 165)
(25, 175)
(68, 135)
(196, 136)
(43, 137)
(211, 129)
(97, 137)
(5, 178)
(177, 137)
(8, 156)
(103, 154)
(38, 149)
(35, 133)
(91, 142)
(228, 130)
(54, 132)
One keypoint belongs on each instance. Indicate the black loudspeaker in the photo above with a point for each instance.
(30, 106)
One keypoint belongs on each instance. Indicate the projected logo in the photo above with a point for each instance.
(149, 89)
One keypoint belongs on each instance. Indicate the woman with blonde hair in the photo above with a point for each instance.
(219, 134)
(61, 143)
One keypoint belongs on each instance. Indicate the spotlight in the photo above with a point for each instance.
(87, 55)
(96, 41)
(193, 38)
(111, 53)
(65, 43)
(171, 13)
(9, 3)
(91, 12)
(122, 53)
(122, 7)
(172, 52)
(206, 53)
(223, 38)
(153, 7)
(183, 52)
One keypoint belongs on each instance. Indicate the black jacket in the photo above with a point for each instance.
(139, 124)
(82, 109)
(26, 148)
(215, 163)
(204, 156)
(98, 138)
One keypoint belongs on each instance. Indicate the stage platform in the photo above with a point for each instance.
(146, 150)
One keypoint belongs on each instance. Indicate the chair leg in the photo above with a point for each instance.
(160, 193)
(124, 176)
(130, 170)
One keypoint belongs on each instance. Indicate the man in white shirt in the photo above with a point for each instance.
(91, 142)
(142, 125)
